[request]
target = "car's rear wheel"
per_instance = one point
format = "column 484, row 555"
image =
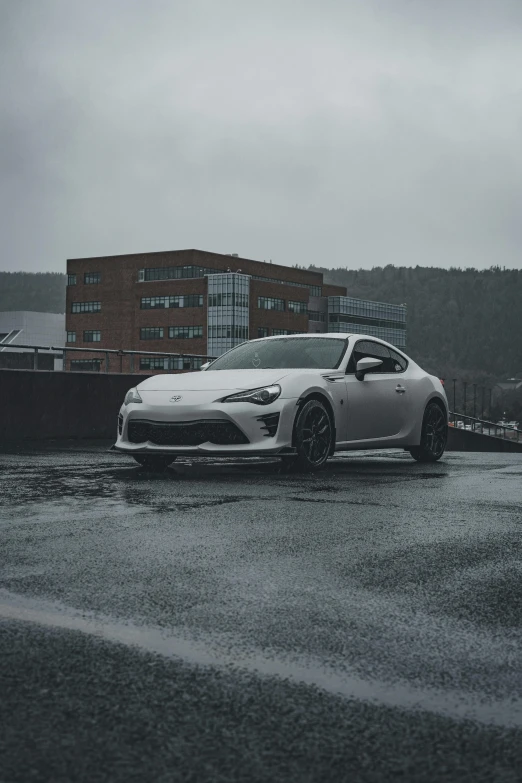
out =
column 434, row 435
column 313, row 434
column 156, row 462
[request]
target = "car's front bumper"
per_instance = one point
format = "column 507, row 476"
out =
column 244, row 415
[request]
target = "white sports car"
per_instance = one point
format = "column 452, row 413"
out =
column 300, row 397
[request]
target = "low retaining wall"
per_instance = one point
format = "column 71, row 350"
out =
column 40, row 405
column 465, row 440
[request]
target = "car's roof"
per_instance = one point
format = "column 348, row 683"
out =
column 341, row 335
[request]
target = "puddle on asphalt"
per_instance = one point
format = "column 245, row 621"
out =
column 229, row 653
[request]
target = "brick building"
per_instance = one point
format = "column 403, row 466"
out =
column 196, row 303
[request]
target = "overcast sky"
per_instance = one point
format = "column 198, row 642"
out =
column 336, row 132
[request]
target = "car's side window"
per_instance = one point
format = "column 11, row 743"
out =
column 376, row 351
column 399, row 362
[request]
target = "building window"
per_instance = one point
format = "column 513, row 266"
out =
column 174, row 273
column 151, row 333
column 228, row 299
column 85, row 307
column 160, row 302
column 154, row 363
column 71, row 279
column 227, row 330
column 185, row 332
column 71, row 337
column 269, row 303
column 315, row 290
column 297, row 307
column 262, row 331
column 86, row 365
column 279, row 332
column 315, row 315
column 91, row 336
column 90, row 278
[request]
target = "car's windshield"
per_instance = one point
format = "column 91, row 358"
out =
column 287, row 353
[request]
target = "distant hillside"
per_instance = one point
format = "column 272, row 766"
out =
column 42, row 292
column 461, row 323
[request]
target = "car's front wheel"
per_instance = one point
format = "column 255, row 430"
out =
column 313, row 435
column 434, row 435
column 156, row 462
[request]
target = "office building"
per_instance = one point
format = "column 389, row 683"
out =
column 201, row 304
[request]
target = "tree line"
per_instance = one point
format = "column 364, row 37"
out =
column 41, row 292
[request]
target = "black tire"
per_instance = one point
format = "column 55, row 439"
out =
column 155, row 462
column 434, row 435
column 313, row 435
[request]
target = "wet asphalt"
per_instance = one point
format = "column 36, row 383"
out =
column 230, row 621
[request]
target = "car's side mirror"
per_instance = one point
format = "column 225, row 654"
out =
column 204, row 366
column 364, row 365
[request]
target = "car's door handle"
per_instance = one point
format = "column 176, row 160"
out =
column 400, row 389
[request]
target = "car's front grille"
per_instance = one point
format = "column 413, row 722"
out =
column 186, row 433
column 269, row 423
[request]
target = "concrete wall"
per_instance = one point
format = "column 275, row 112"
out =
column 465, row 440
column 42, row 405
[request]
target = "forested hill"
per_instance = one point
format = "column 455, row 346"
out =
column 42, row 292
column 461, row 322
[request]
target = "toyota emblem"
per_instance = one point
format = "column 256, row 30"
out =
column 176, row 399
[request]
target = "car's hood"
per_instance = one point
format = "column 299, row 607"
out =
column 213, row 380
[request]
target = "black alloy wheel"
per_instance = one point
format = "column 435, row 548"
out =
column 313, row 434
column 434, row 435
column 155, row 462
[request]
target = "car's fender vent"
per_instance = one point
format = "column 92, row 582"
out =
column 269, row 423
column 120, row 424
column 186, row 433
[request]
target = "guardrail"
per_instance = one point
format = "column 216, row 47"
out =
column 194, row 359
column 491, row 428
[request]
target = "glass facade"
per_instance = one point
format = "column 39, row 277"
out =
column 359, row 316
column 228, row 311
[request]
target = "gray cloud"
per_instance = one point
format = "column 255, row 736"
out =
column 352, row 133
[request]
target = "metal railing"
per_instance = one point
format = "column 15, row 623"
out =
column 108, row 352
column 491, row 428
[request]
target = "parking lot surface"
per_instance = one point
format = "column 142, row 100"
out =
column 228, row 621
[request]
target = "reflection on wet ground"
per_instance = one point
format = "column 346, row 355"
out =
column 377, row 581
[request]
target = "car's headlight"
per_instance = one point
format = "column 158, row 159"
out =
column 263, row 396
column 132, row 396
